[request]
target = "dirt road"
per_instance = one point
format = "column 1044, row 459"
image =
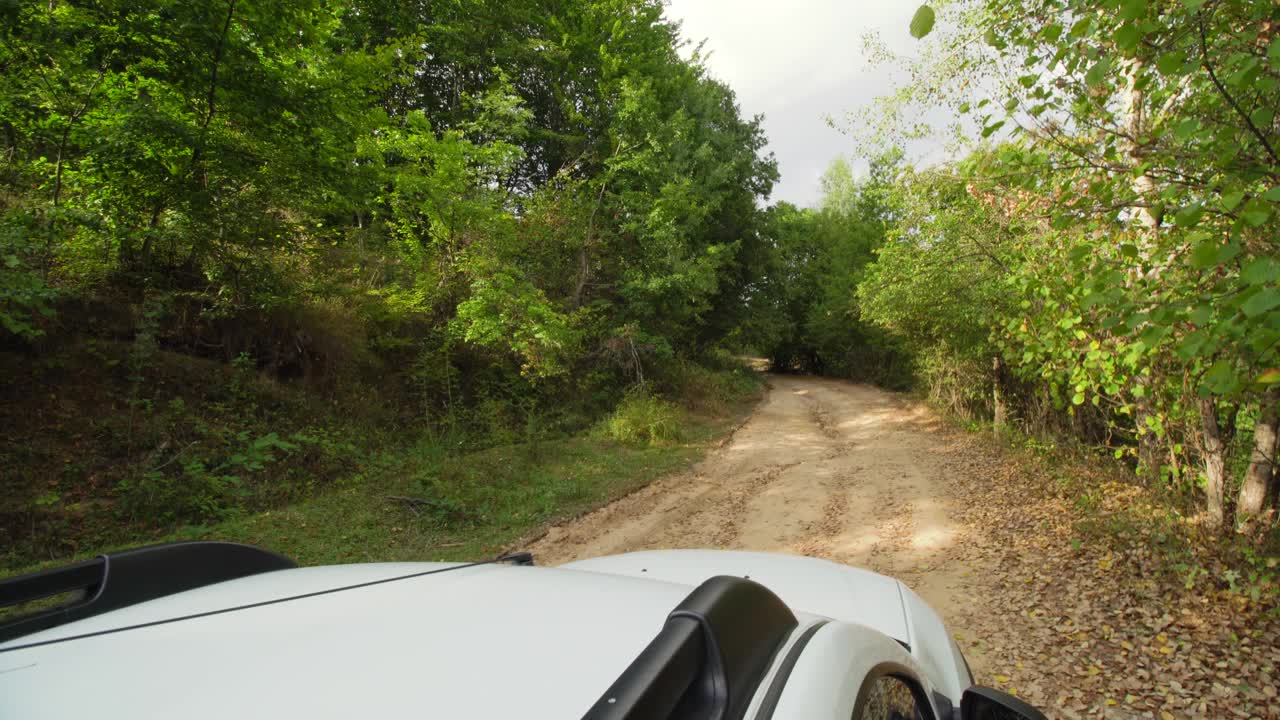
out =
column 1079, row 625
column 823, row 468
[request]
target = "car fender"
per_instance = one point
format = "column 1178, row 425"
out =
column 816, row 586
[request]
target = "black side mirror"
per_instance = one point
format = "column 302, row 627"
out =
column 980, row 703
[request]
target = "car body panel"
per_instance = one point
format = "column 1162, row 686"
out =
column 826, row 679
column 491, row 641
column 821, row 587
column 818, row 586
column 934, row 648
column 472, row 641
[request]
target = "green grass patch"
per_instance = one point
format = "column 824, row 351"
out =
column 644, row 419
column 427, row 500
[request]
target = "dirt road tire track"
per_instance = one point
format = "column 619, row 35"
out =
column 823, row 468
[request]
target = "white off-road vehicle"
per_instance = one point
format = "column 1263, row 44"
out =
column 218, row 630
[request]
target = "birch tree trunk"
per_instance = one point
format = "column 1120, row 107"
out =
column 998, row 413
column 1144, row 189
column 1253, row 494
column 1215, row 465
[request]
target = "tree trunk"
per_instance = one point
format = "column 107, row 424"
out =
column 1134, row 104
column 1253, row 494
column 1273, row 495
column 1215, row 465
column 997, row 394
column 1148, row 442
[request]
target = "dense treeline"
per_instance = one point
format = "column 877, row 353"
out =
column 542, row 194
column 805, row 311
column 250, row 249
column 470, row 210
column 1105, row 265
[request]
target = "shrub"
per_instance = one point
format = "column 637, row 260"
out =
column 709, row 389
column 642, row 418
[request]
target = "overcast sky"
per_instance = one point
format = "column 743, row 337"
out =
column 796, row 62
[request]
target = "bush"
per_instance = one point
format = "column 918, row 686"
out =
column 642, row 418
column 709, row 389
column 204, row 486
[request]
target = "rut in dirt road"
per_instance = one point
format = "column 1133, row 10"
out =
column 823, row 468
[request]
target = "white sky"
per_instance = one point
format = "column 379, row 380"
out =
column 796, row 62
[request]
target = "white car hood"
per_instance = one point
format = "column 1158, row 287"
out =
column 484, row 642
column 805, row 584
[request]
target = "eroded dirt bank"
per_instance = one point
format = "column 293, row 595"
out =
column 851, row 473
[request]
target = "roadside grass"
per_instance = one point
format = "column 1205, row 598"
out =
column 428, row 500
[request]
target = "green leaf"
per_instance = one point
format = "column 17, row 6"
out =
column 1201, row 314
column 1133, row 9
column 1204, row 250
column 1153, row 335
column 1256, row 212
column 1273, row 51
column 1098, row 72
column 1186, row 128
column 1261, row 302
column 1193, row 345
column 1170, row 63
column 1231, row 199
column 1052, row 32
column 1259, row 272
column 1128, row 36
column 1221, row 378
column 922, row 22
column 1188, row 217
column 1273, row 194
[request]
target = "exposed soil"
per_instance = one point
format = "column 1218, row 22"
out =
column 823, row 468
column 851, row 473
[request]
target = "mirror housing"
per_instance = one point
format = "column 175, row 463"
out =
column 982, row 703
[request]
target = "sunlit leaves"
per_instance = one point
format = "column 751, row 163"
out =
column 1098, row 73
column 922, row 22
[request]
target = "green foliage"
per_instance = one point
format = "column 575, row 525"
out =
column 1113, row 258
column 195, row 487
column 25, row 297
column 644, row 419
column 806, row 312
column 521, row 184
column 922, row 22
column 707, row 387
column 475, row 223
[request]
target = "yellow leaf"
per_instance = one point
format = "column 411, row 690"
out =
column 1002, row 678
column 1270, row 376
column 1111, row 701
column 1166, row 715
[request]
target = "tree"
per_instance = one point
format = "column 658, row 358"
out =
column 1150, row 164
